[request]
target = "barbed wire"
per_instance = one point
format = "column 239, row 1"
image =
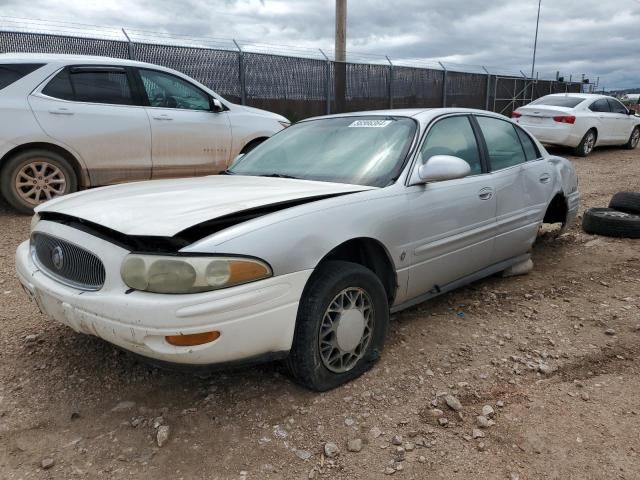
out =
column 137, row 35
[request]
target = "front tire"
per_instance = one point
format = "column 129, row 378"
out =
column 341, row 326
column 32, row 177
column 587, row 144
column 634, row 139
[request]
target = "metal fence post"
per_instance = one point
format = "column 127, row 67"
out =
column 487, row 95
column 390, row 82
column 129, row 45
column 327, row 83
column 444, row 84
column 243, row 90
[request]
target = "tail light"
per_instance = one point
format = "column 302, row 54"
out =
column 565, row 119
column 515, row 115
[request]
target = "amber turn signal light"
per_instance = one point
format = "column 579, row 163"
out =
column 193, row 339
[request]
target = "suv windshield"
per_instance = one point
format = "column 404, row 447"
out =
column 559, row 101
column 363, row 150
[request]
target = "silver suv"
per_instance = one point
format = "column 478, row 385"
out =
column 73, row 122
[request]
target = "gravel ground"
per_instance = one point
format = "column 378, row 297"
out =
column 520, row 378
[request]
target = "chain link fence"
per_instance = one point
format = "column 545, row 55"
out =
column 299, row 87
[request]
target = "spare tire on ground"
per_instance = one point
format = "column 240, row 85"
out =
column 628, row 202
column 611, row 223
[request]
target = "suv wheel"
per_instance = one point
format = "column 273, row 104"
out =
column 341, row 326
column 35, row 176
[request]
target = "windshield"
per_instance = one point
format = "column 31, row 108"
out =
column 560, row 101
column 355, row 150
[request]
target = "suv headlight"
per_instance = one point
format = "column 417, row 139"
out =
column 187, row 274
column 34, row 220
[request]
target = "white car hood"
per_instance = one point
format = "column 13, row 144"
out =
column 166, row 207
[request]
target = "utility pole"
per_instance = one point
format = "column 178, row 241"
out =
column 340, row 66
column 535, row 42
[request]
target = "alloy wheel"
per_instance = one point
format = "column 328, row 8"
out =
column 635, row 138
column 346, row 328
column 38, row 181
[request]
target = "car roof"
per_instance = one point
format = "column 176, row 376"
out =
column 63, row 59
column 423, row 115
column 579, row 95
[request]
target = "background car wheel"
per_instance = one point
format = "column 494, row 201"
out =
column 628, row 202
column 611, row 223
column 341, row 326
column 634, row 139
column 587, row 144
column 35, row 176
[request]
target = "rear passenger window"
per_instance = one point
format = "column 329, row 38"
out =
column 10, row 72
column 92, row 86
column 600, row 106
column 503, row 144
column 453, row 136
column 530, row 150
column 59, row 86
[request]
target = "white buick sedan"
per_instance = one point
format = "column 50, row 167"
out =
column 580, row 121
column 73, row 122
column 305, row 246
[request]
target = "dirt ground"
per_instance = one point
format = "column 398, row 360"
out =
column 554, row 353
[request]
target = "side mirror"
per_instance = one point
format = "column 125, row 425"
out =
column 216, row 105
column 443, row 167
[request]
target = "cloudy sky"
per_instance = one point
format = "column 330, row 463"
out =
column 595, row 37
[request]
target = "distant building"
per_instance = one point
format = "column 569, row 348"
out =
column 631, row 97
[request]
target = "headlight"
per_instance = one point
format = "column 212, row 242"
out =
column 34, row 220
column 185, row 274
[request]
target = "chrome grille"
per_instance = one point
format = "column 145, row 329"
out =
column 67, row 263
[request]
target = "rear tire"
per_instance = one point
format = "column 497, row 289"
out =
column 628, row 202
column 611, row 223
column 634, row 139
column 587, row 144
column 32, row 177
column 341, row 326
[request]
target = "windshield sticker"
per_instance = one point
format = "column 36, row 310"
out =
column 370, row 123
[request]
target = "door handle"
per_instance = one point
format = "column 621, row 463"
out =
column 61, row 111
column 545, row 178
column 162, row 117
column 486, row 193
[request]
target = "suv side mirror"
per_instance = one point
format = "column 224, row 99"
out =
column 216, row 105
column 443, row 167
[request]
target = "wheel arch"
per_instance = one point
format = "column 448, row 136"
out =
column 252, row 143
column 79, row 170
column 557, row 210
column 371, row 254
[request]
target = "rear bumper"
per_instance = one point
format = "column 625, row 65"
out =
column 573, row 205
column 559, row 134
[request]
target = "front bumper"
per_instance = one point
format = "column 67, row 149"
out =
column 254, row 320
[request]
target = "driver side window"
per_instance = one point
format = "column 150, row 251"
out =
column 453, row 136
column 168, row 91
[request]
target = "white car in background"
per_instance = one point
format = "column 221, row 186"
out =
column 580, row 121
column 73, row 122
